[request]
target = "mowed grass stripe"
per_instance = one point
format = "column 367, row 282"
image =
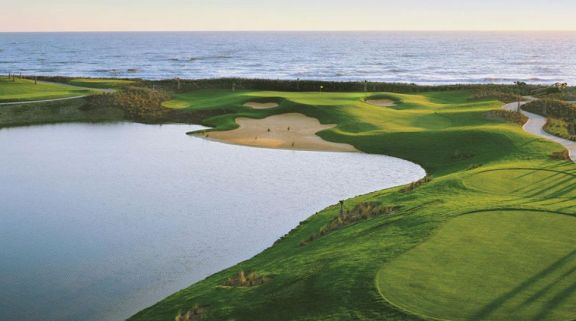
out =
column 501, row 265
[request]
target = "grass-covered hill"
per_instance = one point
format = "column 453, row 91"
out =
column 488, row 237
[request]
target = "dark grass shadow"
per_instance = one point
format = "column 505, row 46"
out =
column 483, row 313
column 555, row 301
column 535, row 189
column 548, row 287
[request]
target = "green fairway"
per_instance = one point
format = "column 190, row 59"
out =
column 512, row 265
column 430, row 261
column 27, row 90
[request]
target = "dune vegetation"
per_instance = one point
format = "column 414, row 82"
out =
column 488, row 235
column 101, row 83
column 561, row 116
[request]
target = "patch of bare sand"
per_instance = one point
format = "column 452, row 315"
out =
column 256, row 105
column 381, row 102
column 286, row 131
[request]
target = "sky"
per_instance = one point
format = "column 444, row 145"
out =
column 238, row 15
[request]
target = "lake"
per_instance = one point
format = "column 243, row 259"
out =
column 418, row 57
column 100, row 221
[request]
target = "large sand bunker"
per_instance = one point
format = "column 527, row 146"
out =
column 381, row 102
column 257, row 105
column 286, row 131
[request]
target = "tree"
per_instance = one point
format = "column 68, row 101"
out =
column 520, row 85
column 561, row 86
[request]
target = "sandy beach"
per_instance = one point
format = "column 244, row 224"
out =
column 286, row 131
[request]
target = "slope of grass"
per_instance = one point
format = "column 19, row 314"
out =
column 27, row 90
column 477, row 164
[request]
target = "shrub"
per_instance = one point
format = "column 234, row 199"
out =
column 197, row 313
column 561, row 128
column 142, row 104
column 551, row 107
column 362, row 211
column 563, row 155
column 506, row 115
column 243, row 279
column 489, row 93
column 413, row 186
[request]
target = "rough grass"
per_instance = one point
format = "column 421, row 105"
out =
column 333, row 278
column 27, row 90
column 56, row 112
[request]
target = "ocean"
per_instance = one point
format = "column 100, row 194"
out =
column 413, row 57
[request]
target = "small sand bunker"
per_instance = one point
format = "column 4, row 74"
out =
column 257, row 105
column 381, row 102
column 286, row 131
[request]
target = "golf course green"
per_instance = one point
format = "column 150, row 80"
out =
column 513, row 264
column 489, row 235
column 21, row 90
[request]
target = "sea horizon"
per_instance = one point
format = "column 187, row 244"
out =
column 421, row 57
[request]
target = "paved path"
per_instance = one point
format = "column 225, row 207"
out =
column 535, row 125
column 41, row 101
column 104, row 90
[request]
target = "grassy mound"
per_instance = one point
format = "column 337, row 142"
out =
column 501, row 265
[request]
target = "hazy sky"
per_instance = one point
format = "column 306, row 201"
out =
column 127, row 15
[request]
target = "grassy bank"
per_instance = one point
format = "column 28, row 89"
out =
column 56, row 112
column 487, row 236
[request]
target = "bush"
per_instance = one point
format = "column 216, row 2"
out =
column 244, row 279
column 507, row 115
column 416, row 184
column 362, row 211
column 553, row 108
column 488, row 93
column 141, row 104
column 197, row 313
column 563, row 155
column 561, row 128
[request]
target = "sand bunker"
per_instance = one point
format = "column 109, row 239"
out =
column 381, row 102
column 286, row 131
column 257, row 105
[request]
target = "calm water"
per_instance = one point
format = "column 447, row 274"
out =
column 100, row 221
column 377, row 56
